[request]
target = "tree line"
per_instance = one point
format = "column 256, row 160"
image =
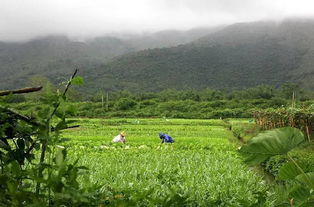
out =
column 172, row 103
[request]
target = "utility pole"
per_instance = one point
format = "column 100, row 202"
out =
column 293, row 99
column 107, row 101
column 102, row 100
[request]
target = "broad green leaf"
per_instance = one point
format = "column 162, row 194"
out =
column 78, row 80
column 288, row 171
column 308, row 204
column 308, row 178
column 300, row 196
column 15, row 167
column 270, row 143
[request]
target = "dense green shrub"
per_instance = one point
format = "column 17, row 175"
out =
column 34, row 167
column 276, row 150
column 125, row 104
column 180, row 103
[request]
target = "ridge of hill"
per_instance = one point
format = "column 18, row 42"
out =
column 56, row 56
column 237, row 56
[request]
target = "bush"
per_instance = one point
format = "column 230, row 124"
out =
column 125, row 104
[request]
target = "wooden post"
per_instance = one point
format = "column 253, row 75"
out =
column 22, row 90
column 293, row 99
column 308, row 133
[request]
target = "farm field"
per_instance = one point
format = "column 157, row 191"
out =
column 202, row 167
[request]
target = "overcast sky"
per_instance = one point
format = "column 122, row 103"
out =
column 25, row 19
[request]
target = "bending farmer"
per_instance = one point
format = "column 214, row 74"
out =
column 120, row 138
column 165, row 138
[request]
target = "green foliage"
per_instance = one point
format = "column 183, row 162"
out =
column 230, row 58
column 288, row 171
column 179, row 104
column 34, row 168
column 247, row 61
column 276, row 164
column 287, row 90
column 273, row 165
column 243, row 129
column 125, row 104
column 299, row 117
column 271, row 143
column 281, row 142
column 43, row 81
column 16, row 99
column 194, row 171
column 78, row 80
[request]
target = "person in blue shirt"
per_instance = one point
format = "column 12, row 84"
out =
column 165, row 138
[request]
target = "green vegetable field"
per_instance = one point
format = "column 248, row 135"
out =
column 202, row 167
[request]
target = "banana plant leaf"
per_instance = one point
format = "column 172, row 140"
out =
column 270, row 143
column 289, row 171
column 306, row 178
column 301, row 196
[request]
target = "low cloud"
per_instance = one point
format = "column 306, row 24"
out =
column 26, row 19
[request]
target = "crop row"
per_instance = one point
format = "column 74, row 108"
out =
column 201, row 168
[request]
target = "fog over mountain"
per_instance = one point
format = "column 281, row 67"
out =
column 83, row 19
column 147, row 43
column 57, row 56
column 236, row 56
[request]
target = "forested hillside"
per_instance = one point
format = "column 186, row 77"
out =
column 238, row 56
column 57, row 56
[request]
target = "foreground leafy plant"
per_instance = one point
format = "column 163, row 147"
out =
column 34, row 169
column 279, row 142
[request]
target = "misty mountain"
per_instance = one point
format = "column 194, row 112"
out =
column 169, row 38
column 237, row 56
column 56, row 56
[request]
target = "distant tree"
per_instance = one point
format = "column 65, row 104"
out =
column 74, row 95
column 218, row 95
column 190, row 95
column 169, row 94
column 125, row 104
column 145, row 96
column 207, row 94
column 122, row 94
column 39, row 81
column 262, row 91
column 288, row 90
column 277, row 102
column 98, row 96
